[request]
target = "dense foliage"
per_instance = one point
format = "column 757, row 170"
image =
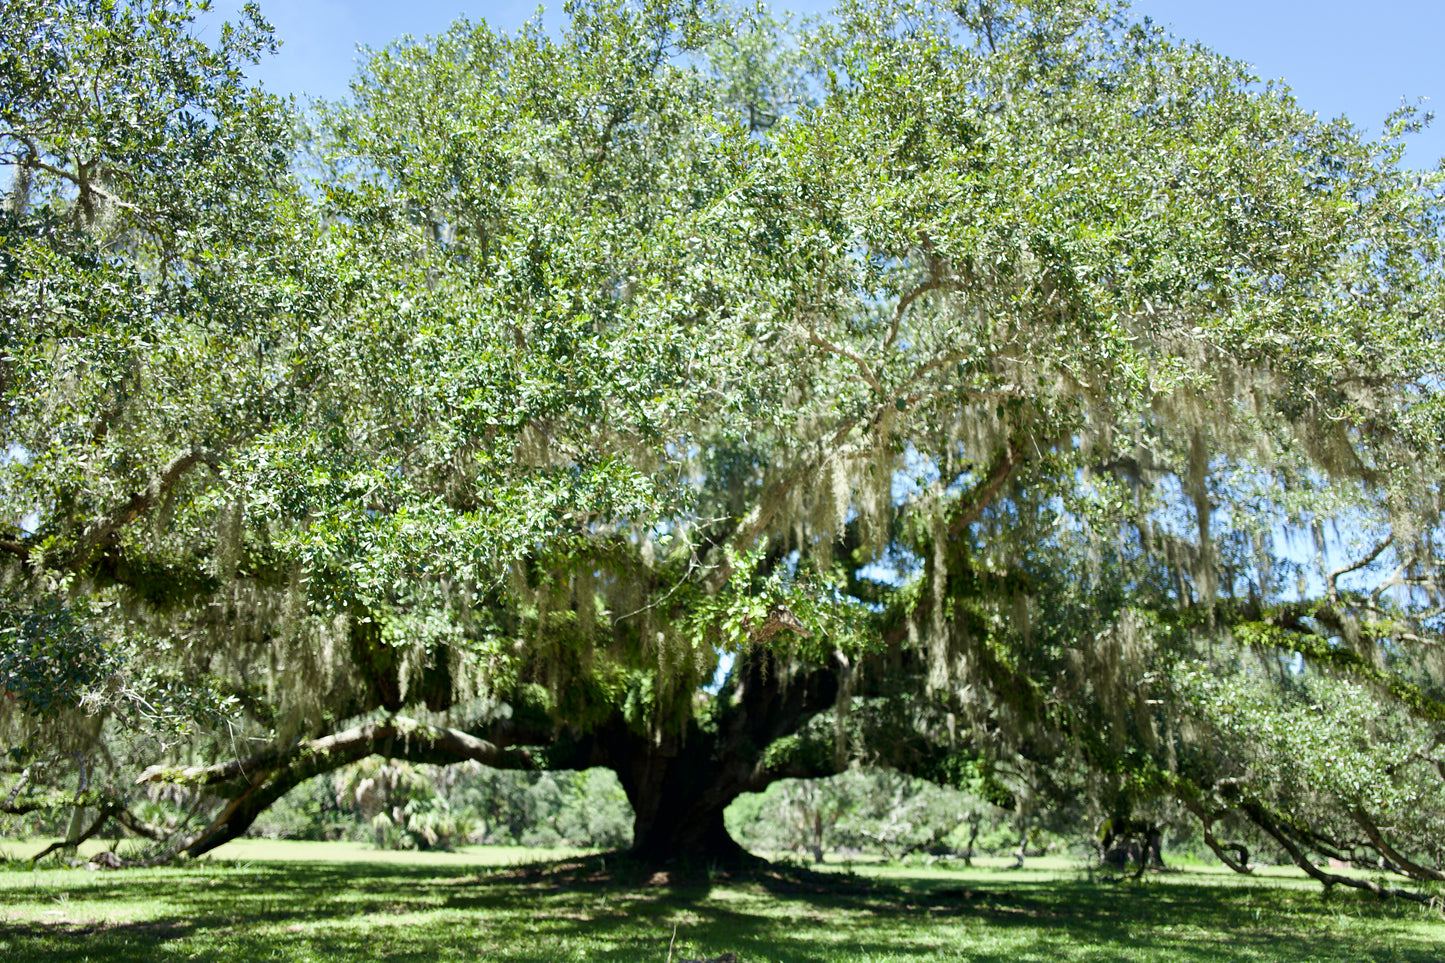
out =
column 965, row 388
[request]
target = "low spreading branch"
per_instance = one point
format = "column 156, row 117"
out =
column 254, row 784
column 1403, row 863
column 1281, row 834
column 399, row 738
column 102, row 817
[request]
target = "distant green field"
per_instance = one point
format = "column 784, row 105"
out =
column 271, row 850
column 288, row 901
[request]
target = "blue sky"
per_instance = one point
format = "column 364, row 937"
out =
column 1356, row 59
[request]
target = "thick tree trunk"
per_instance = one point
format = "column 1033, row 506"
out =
column 680, row 785
column 679, row 790
column 697, row 838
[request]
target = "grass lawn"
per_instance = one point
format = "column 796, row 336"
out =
column 272, row 901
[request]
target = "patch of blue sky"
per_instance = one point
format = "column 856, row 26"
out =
column 919, row 472
column 724, row 669
column 896, row 567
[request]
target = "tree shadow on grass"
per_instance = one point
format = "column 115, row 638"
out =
column 617, row 912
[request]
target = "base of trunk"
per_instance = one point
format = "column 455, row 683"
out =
column 692, row 845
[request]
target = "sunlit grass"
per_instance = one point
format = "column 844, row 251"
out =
column 337, row 902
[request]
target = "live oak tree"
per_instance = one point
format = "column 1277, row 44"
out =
column 947, row 380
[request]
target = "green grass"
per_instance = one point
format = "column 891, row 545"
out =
column 333, row 902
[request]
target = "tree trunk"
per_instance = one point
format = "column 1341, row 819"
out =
column 679, row 790
column 1025, row 828
column 1021, row 853
column 696, row 838
column 1154, row 847
column 680, row 784
column 975, row 819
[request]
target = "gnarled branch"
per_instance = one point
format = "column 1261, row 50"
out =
column 987, row 489
column 139, row 502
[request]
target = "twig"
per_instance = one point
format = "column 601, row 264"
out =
column 863, row 368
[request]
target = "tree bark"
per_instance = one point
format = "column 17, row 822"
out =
column 679, row 790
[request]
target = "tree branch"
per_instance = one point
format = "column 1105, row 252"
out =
column 932, row 284
column 261, row 780
column 1377, row 839
column 139, row 503
column 863, row 367
column 106, row 811
column 399, row 738
column 81, row 181
column 987, row 489
column 1286, row 630
column 18, row 549
column 1281, row 834
column 1332, row 577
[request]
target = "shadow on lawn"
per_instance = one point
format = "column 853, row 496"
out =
column 371, row 911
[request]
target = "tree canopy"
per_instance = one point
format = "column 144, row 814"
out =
column 940, row 386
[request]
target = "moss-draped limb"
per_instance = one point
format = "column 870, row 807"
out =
column 1281, row 831
column 1288, row 632
column 254, row 784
